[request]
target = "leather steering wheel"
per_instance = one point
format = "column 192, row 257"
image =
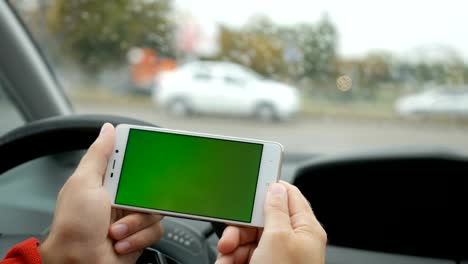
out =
column 61, row 134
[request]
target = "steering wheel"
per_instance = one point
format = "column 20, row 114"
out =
column 77, row 132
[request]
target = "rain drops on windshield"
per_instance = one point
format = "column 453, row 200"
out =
column 316, row 76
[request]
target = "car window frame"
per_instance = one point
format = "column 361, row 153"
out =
column 48, row 97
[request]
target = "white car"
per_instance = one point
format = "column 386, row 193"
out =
column 224, row 88
column 433, row 102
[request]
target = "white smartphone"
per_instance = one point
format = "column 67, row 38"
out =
column 192, row 175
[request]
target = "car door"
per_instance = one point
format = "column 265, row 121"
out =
column 235, row 94
column 447, row 102
column 220, row 93
column 236, row 90
column 201, row 91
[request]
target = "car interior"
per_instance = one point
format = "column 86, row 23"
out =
column 388, row 205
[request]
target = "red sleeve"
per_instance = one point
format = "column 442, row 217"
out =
column 25, row 252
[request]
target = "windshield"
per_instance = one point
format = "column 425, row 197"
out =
column 317, row 76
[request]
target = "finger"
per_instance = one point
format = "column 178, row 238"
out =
column 94, row 163
column 132, row 223
column 276, row 209
column 302, row 216
column 140, row 240
column 297, row 202
column 230, row 240
column 234, row 236
column 240, row 256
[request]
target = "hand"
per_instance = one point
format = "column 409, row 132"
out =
column 85, row 228
column 292, row 234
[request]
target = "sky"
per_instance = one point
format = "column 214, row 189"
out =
column 402, row 27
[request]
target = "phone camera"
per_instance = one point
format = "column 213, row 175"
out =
column 112, row 174
column 116, row 151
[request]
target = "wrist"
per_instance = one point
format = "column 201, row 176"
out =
column 55, row 253
column 47, row 255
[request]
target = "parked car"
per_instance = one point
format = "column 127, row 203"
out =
column 224, row 88
column 434, row 102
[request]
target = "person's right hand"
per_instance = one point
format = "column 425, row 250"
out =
column 292, row 234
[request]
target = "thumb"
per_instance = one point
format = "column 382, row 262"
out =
column 94, row 163
column 276, row 209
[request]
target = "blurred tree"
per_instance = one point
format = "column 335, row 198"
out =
column 318, row 47
column 425, row 72
column 99, row 33
column 376, row 68
column 371, row 73
column 254, row 49
column 291, row 52
column 465, row 74
column 262, row 25
column 440, row 65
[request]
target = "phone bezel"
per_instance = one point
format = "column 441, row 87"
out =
column 270, row 172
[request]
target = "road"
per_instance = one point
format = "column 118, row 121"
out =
column 320, row 134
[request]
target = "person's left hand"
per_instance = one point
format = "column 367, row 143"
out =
column 85, row 228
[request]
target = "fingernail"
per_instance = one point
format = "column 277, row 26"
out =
column 277, row 189
column 104, row 129
column 119, row 230
column 122, row 246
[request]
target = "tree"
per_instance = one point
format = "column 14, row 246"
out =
column 318, row 47
column 441, row 65
column 99, row 33
column 306, row 51
column 253, row 49
column 377, row 67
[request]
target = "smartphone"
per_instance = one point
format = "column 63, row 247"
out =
column 192, row 175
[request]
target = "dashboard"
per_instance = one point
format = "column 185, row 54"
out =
column 396, row 206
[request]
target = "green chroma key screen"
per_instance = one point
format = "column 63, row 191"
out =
column 190, row 174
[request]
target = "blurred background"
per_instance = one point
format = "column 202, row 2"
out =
column 317, row 76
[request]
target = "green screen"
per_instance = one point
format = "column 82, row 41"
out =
column 190, row 174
